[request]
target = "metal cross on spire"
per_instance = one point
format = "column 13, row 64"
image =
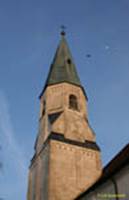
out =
column 63, row 28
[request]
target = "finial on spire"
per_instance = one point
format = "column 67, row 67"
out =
column 63, row 28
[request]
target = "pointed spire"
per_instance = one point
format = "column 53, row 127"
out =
column 62, row 68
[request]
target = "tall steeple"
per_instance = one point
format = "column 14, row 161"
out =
column 62, row 68
column 67, row 158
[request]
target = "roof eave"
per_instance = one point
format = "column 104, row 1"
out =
column 64, row 82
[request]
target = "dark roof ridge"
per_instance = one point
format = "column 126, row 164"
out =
column 118, row 162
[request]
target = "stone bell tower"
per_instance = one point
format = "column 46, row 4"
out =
column 67, row 159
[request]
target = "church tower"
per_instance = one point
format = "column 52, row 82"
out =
column 67, row 159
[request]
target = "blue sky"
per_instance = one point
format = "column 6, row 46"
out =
column 28, row 40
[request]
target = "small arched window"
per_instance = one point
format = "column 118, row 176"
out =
column 73, row 104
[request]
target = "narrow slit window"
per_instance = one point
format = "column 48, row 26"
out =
column 44, row 108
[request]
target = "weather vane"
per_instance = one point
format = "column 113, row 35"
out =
column 63, row 28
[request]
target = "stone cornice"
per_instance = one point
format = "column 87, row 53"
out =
column 60, row 137
column 87, row 144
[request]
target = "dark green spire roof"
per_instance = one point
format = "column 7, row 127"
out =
column 62, row 68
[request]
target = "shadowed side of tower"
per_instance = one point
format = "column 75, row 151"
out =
column 67, row 159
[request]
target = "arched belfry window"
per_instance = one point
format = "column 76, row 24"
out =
column 69, row 61
column 73, row 103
